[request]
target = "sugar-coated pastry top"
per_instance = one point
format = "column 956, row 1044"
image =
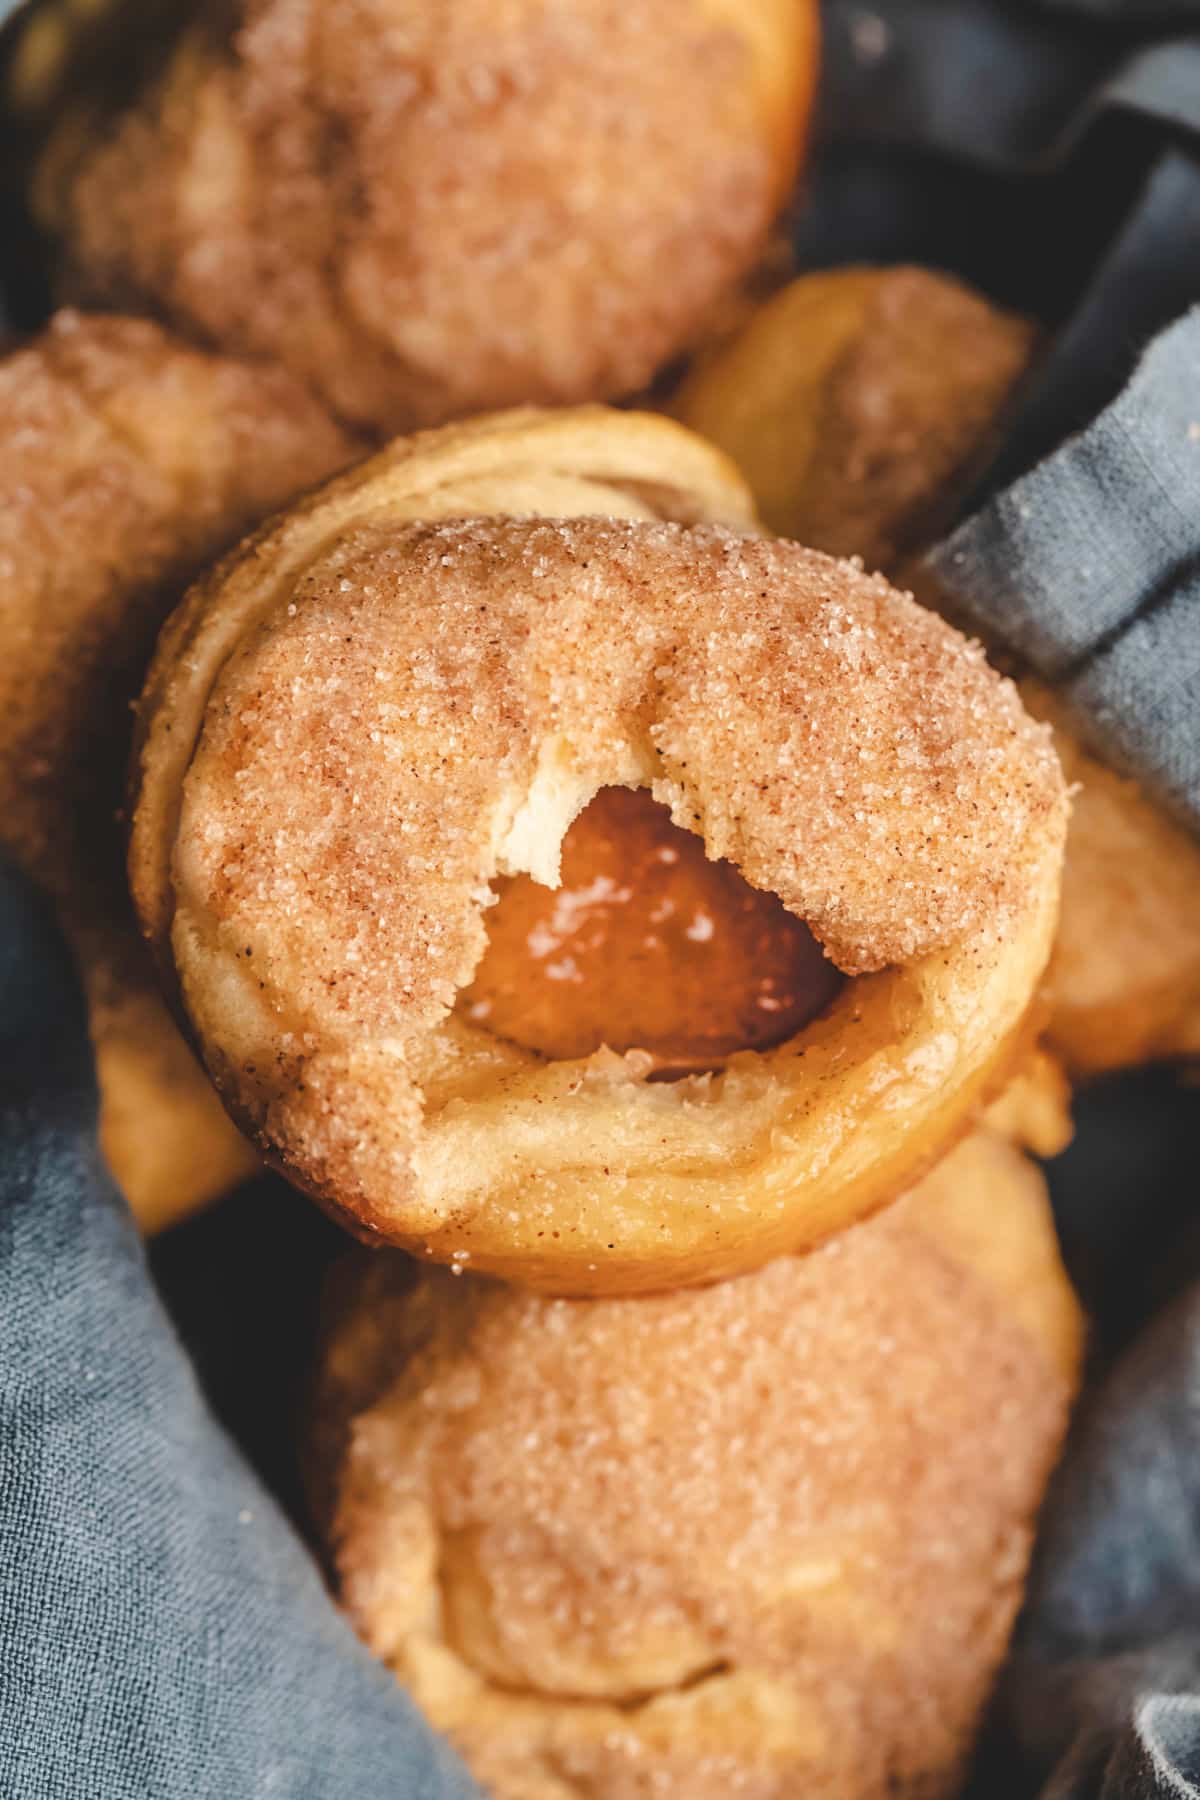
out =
column 408, row 687
column 764, row 1537
column 126, row 460
column 426, row 210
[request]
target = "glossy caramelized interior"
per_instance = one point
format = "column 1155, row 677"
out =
column 646, row 945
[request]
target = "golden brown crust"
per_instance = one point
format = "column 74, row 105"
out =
column 767, row 1537
column 856, row 400
column 428, row 210
column 1123, row 986
column 357, row 723
column 127, row 461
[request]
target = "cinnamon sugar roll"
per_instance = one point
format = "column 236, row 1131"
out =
column 360, row 723
column 427, row 210
column 857, row 400
column 765, row 1538
column 126, row 461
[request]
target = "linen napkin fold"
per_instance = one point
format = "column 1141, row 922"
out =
column 1088, row 568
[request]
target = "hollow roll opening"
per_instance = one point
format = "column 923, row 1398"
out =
column 647, row 945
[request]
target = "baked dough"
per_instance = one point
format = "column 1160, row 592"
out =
column 1123, row 986
column 427, row 210
column 127, row 461
column 766, row 1538
column 357, row 723
column 856, row 402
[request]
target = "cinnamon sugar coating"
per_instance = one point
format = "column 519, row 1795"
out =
column 847, row 750
column 764, row 1538
column 355, row 726
column 126, row 461
column 425, row 210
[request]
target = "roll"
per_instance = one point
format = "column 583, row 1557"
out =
column 423, row 211
column 764, row 1538
column 128, row 460
column 359, row 723
column 858, row 401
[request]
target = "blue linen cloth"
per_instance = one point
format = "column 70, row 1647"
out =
column 164, row 1635
column 163, row 1631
